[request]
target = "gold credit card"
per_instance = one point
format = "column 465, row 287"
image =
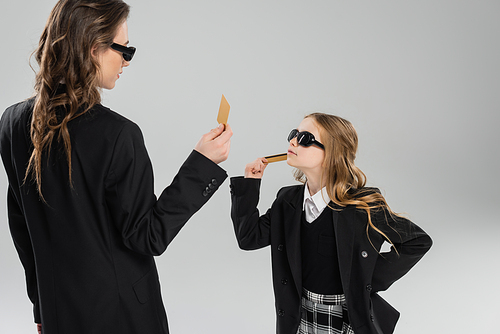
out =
column 276, row 157
column 223, row 111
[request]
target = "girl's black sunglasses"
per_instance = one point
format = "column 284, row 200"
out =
column 127, row 52
column 304, row 138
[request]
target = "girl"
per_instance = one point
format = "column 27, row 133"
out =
column 326, row 235
column 81, row 204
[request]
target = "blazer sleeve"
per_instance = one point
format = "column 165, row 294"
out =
column 15, row 213
column 22, row 242
column 147, row 225
column 410, row 243
column 252, row 230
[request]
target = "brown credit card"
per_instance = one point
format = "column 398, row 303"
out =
column 276, row 157
column 223, row 111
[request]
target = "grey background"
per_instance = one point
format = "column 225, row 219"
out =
column 418, row 79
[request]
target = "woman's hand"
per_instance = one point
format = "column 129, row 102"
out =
column 255, row 169
column 39, row 328
column 215, row 144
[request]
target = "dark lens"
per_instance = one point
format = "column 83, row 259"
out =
column 132, row 53
column 292, row 134
column 129, row 54
column 304, row 139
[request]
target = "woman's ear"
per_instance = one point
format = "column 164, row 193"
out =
column 94, row 51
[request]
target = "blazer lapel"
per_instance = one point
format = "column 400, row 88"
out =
column 344, row 234
column 292, row 220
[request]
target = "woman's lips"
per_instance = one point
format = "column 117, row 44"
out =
column 291, row 152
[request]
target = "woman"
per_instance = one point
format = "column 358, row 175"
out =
column 326, row 235
column 81, row 204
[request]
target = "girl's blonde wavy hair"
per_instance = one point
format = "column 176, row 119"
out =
column 345, row 182
column 64, row 55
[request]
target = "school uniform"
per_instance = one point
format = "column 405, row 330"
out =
column 363, row 270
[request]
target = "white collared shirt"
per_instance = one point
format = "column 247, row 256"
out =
column 314, row 205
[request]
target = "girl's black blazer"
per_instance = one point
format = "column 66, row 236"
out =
column 88, row 253
column 364, row 271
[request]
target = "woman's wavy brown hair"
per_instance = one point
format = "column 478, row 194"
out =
column 64, row 56
column 345, row 182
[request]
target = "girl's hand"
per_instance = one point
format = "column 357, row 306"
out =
column 255, row 169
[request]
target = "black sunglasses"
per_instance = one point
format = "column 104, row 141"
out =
column 127, row 51
column 304, row 138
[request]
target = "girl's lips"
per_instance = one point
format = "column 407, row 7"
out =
column 291, row 152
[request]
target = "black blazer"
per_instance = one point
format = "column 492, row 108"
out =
column 363, row 270
column 88, row 253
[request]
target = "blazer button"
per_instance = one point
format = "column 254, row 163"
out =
column 214, row 182
column 372, row 318
column 211, row 186
column 284, row 281
column 280, row 248
column 281, row 313
column 368, row 288
column 364, row 254
column 205, row 193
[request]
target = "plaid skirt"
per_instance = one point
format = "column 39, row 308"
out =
column 324, row 314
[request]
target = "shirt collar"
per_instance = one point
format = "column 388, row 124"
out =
column 319, row 199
